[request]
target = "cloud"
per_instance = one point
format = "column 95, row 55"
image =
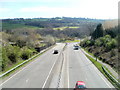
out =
column 90, row 11
column 2, row 10
column 43, row 9
column 15, row 0
column 34, row 0
column 77, row 8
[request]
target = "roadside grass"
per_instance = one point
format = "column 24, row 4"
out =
column 23, row 65
column 88, row 52
column 21, row 61
column 99, row 66
column 94, row 56
column 19, row 67
column 110, row 73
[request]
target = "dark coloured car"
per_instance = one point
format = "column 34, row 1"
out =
column 55, row 52
column 76, row 47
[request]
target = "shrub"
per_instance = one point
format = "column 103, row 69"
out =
column 105, row 39
column 96, row 54
column 26, row 53
column 102, row 40
column 12, row 57
column 92, row 42
column 5, row 59
column 111, row 44
column 112, row 53
column 100, row 57
column 108, row 46
column 98, row 42
column 21, row 43
column 12, row 53
column 88, row 43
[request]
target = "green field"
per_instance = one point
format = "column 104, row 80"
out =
column 70, row 41
column 62, row 28
column 8, row 26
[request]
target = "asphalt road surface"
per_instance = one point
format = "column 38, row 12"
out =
column 60, row 70
column 82, row 69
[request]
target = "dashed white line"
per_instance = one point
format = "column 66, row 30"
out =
column 49, row 74
column 16, row 73
column 27, row 80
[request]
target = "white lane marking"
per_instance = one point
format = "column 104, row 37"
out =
column 16, row 74
column 102, row 78
column 68, row 69
column 48, row 74
column 68, row 72
column 27, row 80
column 19, row 71
column 98, row 73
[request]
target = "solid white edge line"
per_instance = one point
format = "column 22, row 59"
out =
column 68, row 70
column 102, row 78
column 99, row 74
column 48, row 75
column 16, row 73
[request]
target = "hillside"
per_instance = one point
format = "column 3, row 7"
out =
column 52, row 22
column 71, row 27
column 104, row 45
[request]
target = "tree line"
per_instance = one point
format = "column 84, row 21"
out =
column 21, row 44
column 104, row 44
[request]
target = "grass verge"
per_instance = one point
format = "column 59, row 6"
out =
column 99, row 66
column 22, row 64
column 99, row 60
column 88, row 52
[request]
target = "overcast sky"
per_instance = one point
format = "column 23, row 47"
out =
column 99, row 9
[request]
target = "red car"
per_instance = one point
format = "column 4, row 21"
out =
column 80, row 85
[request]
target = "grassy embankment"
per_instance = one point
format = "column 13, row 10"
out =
column 18, row 63
column 99, row 66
